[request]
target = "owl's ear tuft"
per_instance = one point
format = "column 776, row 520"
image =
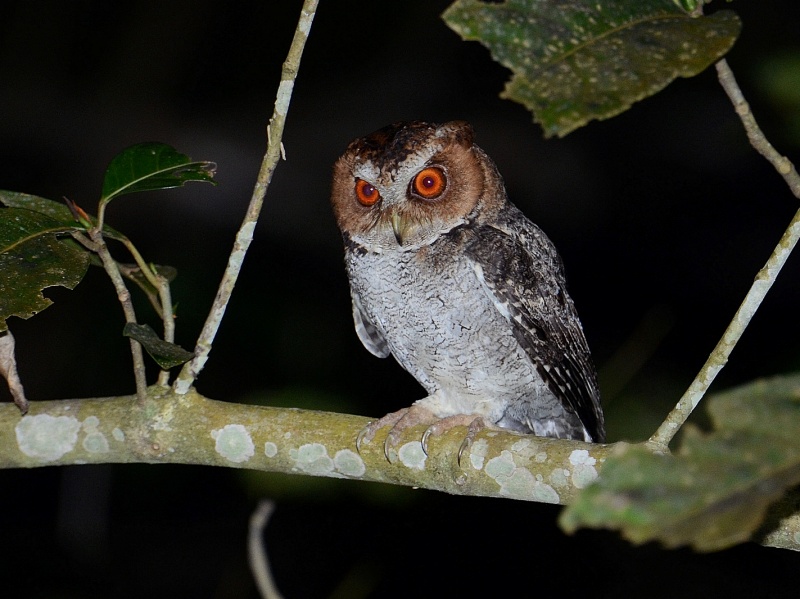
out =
column 459, row 132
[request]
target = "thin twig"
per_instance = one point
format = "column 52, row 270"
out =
column 165, row 293
column 164, row 305
column 259, row 563
column 124, row 296
column 129, row 271
column 757, row 138
column 161, row 285
column 245, row 234
column 8, row 370
column 146, row 271
column 764, row 280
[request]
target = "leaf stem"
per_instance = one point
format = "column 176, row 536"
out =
column 245, row 234
column 763, row 281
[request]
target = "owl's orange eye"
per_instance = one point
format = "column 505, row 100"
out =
column 367, row 193
column 429, row 183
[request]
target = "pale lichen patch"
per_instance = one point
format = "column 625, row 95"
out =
column 234, row 443
column 95, row 442
column 312, row 458
column 477, row 453
column 502, row 465
column 583, row 470
column 518, row 482
column 270, row 449
column 521, row 445
column 118, row 434
column 349, row 463
column 164, row 418
column 47, row 437
column 559, row 477
column 412, row 455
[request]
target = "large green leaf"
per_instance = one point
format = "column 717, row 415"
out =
column 149, row 166
column 715, row 491
column 32, row 258
column 591, row 59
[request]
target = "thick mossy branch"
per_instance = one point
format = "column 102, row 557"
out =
column 191, row 429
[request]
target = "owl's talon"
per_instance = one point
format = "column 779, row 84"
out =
column 465, row 444
column 368, row 432
column 363, row 437
column 424, row 440
column 473, row 429
column 389, row 450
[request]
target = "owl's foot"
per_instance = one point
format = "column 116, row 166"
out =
column 398, row 422
column 476, row 426
column 473, row 423
column 415, row 415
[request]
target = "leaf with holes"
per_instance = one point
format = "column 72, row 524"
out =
column 715, row 492
column 32, row 258
column 149, row 166
column 591, row 59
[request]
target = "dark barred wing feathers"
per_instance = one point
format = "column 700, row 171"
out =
column 524, row 274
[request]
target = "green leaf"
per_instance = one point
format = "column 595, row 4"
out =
column 167, row 355
column 716, row 490
column 589, row 59
column 58, row 211
column 149, row 166
column 32, row 258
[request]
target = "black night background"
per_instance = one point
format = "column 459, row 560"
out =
column 663, row 216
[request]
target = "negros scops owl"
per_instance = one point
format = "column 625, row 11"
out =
column 467, row 294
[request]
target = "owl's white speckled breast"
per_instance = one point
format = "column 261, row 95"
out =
column 443, row 328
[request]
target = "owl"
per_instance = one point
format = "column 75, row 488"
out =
column 467, row 294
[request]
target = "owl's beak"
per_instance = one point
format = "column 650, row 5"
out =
column 400, row 226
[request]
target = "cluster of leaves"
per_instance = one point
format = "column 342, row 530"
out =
column 44, row 243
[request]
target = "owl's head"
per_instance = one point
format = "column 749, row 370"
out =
column 403, row 186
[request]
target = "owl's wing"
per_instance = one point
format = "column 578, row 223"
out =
column 370, row 336
column 522, row 273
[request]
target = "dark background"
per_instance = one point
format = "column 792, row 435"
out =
column 663, row 216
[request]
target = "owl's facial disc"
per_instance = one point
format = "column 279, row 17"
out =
column 406, row 185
